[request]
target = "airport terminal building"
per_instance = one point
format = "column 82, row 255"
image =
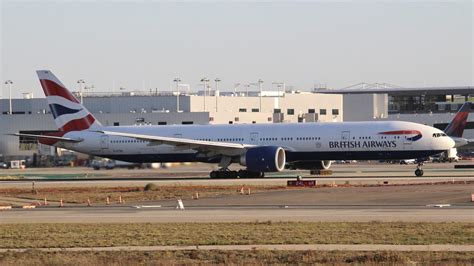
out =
column 432, row 106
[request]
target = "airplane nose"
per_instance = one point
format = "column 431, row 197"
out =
column 450, row 143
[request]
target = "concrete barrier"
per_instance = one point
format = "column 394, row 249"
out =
column 5, row 207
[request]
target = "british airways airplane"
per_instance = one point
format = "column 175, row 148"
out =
column 259, row 147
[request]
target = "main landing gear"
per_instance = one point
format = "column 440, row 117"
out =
column 226, row 173
column 419, row 171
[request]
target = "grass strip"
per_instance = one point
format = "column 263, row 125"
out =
column 147, row 234
column 260, row 257
column 130, row 194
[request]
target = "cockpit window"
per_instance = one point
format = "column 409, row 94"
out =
column 437, row 135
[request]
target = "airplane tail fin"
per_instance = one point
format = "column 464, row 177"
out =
column 69, row 114
column 459, row 122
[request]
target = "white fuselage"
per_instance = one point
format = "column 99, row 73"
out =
column 302, row 141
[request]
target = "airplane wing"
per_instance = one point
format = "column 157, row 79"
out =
column 46, row 137
column 182, row 142
column 460, row 142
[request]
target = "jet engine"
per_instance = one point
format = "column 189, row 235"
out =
column 264, row 159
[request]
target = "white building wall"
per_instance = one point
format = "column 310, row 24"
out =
column 365, row 107
column 230, row 107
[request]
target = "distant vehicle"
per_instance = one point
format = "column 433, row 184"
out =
column 18, row 164
column 449, row 156
column 3, row 165
column 112, row 164
column 261, row 148
column 409, row 161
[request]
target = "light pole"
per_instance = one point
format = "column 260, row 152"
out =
column 279, row 85
column 217, row 80
column 236, row 85
column 177, row 80
column 260, row 85
column 205, row 81
column 81, row 83
column 9, row 83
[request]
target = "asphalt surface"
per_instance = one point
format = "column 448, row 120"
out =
column 242, row 214
column 430, row 202
column 414, row 203
column 198, row 175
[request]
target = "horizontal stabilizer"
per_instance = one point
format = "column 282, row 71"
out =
column 46, row 137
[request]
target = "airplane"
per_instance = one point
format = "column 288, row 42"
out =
column 261, row 148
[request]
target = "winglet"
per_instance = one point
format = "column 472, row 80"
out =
column 459, row 122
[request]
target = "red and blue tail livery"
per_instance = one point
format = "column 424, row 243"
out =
column 69, row 114
column 459, row 122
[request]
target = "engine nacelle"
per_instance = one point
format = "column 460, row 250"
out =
column 264, row 159
column 312, row 165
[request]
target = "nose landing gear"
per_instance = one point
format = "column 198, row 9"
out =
column 419, row 172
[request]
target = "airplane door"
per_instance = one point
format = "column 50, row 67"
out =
column 345, row 135
column 407, row 144
column 104, row 142
column 254, row 138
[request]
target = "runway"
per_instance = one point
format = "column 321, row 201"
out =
column 397, row 196
column 416, row 203
column 242, row 214
column 361, row 173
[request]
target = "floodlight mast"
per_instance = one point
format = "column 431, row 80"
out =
column 205, row 81
column 10, row 108
column 177, row 80
column 217, row 80
column 81, row 83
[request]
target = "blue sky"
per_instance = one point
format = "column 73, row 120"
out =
column 145, row 44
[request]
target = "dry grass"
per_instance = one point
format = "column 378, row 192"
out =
column 235, row 257
column 130, row 194
column 8, row 177
column 104, row 235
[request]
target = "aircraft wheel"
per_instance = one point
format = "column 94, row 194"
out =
column 419, row 172
column 243, row 174
column 213, row 174
column 233, row 174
